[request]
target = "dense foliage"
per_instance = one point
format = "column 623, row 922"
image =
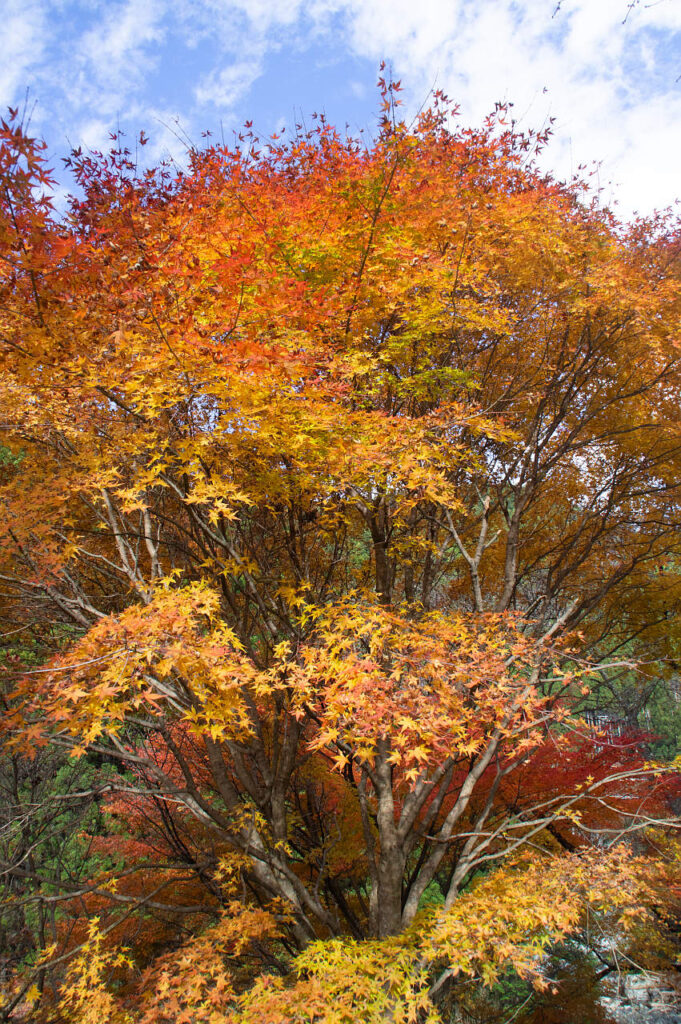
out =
column 339, row 482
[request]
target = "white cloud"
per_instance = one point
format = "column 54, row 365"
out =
column 236, row 24
column 119, row 51
column 224, row 88
column 583, row 66
column 94, row 134
column 23, row 40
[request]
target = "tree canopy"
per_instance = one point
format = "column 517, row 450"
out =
column 344, row 478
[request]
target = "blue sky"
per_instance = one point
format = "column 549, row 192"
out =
column 609, row 71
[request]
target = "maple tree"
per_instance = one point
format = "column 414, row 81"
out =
column 354, row 470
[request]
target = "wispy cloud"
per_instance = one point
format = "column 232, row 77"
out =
column 23, row 43
column 120, row 50
column 223, row 88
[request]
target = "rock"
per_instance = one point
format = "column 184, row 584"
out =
column 645, row 999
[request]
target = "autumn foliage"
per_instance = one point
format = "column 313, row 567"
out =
column 350, row 475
